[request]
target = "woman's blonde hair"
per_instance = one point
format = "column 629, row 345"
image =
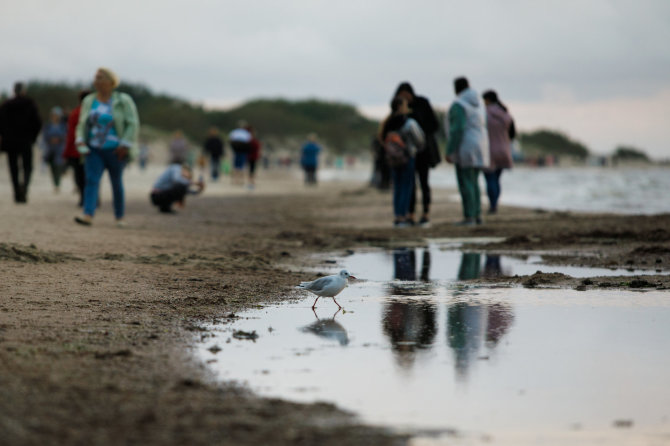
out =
column 111, row 75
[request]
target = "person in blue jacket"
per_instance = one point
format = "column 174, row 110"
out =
column 310, row 159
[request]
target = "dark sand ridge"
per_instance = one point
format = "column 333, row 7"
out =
column 96, row 323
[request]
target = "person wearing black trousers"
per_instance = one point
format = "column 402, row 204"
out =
column 20, row 124
column 423, row 114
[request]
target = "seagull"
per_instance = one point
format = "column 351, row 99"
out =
column 329, row 286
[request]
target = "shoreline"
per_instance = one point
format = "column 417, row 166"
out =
column 95, row 322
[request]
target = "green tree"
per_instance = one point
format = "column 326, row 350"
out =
column 551, row 142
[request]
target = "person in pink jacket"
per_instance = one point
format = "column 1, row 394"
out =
column 500, row 126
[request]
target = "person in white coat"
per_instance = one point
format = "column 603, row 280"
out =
column 468, row 147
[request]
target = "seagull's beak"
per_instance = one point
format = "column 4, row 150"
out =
column 351, row 277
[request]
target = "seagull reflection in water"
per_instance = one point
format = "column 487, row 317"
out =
column 328, row 329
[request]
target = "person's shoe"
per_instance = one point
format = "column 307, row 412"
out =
column 410, row 222
column 492, row 211
column 479, row 221
column 401, row 224
column 424, row 222
column 466, row 222
column 167, row 211
column 84, row 221
column 121, row 224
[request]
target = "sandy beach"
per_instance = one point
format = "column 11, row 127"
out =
column 96, row 324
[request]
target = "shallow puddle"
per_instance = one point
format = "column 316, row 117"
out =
column 416, row 351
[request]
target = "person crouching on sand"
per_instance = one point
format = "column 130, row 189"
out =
column 106, row 132
column 172, row 187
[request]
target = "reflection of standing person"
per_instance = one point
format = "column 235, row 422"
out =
column 466, row 323
column 53, row 140
column 468, row 147
column 501, row 131
column 410, row 326
column 71, row 154
column 106, row 134
column 400, row 123
column 470, row 266
column 425, row 266
column 469, row 324
column 309, row 159
column 213, row 147
column 252, row 156
column 422, row 112
column 404, row 264
column 492, row 266
column 20, row 124
column 239, row 141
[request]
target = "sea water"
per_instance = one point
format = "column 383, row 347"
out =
column 584, row 189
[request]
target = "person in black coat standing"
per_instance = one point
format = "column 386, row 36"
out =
column 20, row 124
column 214, row 147
column 423, row 113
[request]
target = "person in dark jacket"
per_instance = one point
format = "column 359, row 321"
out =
column 422, row 113
column 309, row 159
column 20, row 124
column 214, row 147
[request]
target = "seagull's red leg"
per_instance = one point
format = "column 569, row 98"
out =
column 314, row 306
column 338, row 305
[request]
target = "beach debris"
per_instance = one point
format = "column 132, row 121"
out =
column 240, row 334
column 109, row 355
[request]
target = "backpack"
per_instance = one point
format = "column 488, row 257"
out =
column 395, row 148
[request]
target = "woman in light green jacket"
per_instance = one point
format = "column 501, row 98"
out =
column 106, row 135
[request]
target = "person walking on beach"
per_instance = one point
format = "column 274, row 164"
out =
column 71, row 155
column 106, row 133
column 403, row 138
column 501, row 131
column 53, row 143
column 422, row 112
column 214, row 148
column 467, row 147
column 172, row 187
column 309, row 159
column 20, row 124
column 240, row 140
column 179, row 149
column 252, row 156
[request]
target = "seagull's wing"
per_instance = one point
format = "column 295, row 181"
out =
column 319, row 284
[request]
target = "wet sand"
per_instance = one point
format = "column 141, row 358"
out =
column 96, row 324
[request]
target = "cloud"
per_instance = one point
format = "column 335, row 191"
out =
column 356, row 51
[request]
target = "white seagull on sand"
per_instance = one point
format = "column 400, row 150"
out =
column 329, row 286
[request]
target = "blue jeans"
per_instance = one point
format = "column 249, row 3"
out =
column 96, row 162
column 403, row 188
column 493, row 187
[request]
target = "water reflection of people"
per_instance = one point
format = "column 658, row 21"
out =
column 492, row 266
column 328, row 329
column 410, row 326
column 470, row 324
column 404, row 264
column 470, row 266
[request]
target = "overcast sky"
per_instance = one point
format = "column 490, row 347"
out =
column 596, row 69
